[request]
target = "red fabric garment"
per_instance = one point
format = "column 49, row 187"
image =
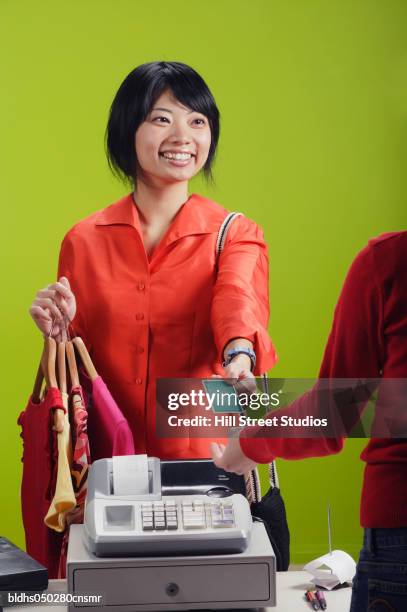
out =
column 108, row 430
column 168, row 316
column 42, row 543
column 368, row 340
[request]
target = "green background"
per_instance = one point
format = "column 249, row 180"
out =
column 313, row 147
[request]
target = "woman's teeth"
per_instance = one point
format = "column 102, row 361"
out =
column 178, row 156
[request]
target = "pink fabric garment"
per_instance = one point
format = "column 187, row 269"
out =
column 42, row 543
column 99, row 430
column 108, row 430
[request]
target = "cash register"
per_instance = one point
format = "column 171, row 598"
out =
column 174, row 535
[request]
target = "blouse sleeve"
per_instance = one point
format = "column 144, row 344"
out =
column 352, row 351
column 240, row 305
column 69, row 265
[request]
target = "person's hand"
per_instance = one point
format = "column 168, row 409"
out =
column 51, row 305
column 231, row 457
column 238, row 373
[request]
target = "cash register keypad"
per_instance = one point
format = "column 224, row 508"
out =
column 191, row 514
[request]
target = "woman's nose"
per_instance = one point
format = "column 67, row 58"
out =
column 179, row 134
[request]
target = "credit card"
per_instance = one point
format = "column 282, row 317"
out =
column 225, row 397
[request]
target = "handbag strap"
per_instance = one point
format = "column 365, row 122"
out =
column 272, row 471
column 253, row 486
column 222, row 234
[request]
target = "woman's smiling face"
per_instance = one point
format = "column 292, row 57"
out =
column 173, row 143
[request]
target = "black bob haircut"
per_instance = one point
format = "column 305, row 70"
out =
column 136, row 97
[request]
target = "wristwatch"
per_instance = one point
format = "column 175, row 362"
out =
column 240, row 350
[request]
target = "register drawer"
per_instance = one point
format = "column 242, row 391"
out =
column 133, row 586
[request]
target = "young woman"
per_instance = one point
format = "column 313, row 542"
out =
column 138, row 279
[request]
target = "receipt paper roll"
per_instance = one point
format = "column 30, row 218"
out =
column 130, row 475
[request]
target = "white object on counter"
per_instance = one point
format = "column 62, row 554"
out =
column 331, row 569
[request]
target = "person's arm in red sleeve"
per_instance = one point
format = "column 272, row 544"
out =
column 352, row 351
column 354, row 348
column 240, row 305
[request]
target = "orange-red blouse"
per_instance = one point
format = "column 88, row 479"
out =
column 170, row 316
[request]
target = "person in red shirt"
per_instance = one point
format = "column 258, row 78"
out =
column 139, row 280
column 368, row 340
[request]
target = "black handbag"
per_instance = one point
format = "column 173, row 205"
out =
column 270, row 508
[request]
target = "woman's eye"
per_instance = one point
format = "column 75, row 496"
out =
column 199, row 121
column 161, row 119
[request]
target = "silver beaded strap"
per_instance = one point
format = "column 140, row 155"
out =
column 223, row 232
column 253, row 488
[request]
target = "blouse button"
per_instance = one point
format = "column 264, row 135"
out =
column 139, row 316
column 138, row 381
column 141, row 286
column 140, row 350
